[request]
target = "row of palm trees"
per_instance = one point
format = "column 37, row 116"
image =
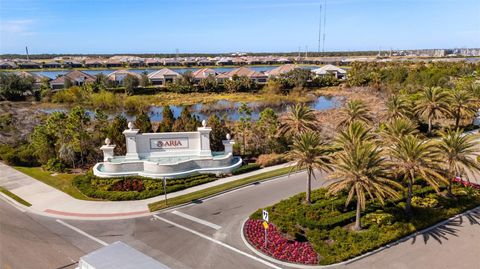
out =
column 435, row 103
column 379, row 163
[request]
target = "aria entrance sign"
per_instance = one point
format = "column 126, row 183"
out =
column 176, row 143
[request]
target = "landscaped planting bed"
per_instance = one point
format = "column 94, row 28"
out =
column 278, row 246
column 134, row 188
column 325, row 225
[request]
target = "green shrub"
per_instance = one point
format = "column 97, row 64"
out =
column 54, row 165
column 246, row 168
column 427, row 202
column 380, row 218
column 22, row 155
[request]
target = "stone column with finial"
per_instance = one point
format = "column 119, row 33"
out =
column 107, row 150
column 228, row 144
column 204, row 137
column 131, row 142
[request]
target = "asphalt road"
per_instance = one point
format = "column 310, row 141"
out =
column 207, row 235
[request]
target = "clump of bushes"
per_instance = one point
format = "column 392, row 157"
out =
column 266, row 160
column 21, row 155
column 134, row 187
column 427, row 202
column 246, row 168
column 380, row 218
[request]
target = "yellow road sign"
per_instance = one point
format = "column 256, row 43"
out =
column 265, row 225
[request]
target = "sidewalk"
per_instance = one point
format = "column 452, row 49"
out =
column 47, row 200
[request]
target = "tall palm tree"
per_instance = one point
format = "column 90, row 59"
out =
column 432, row 105
column 398, row 107
column 356, row 132
column 462, row 105
column 415, row 158
column 397, row 128
column 459, row 152
column 312, row 153
column 299, row 119
column 354, row 110
column 362, row 170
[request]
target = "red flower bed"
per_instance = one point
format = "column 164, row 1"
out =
column 278, row 246
column 466, row 183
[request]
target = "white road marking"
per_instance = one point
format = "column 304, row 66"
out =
column 218, row 242
column 201, row 221
column 82, row 232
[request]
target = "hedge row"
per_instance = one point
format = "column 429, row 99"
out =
column 102, row 188
column 246, row 168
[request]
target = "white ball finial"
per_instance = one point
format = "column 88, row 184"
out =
column 130, row 125
column 229, row 137
column 107, row 141
column 204, row 123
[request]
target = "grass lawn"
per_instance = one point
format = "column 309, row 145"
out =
column 60, row 181
column 14, row 197
column 326, row 223
column 217, row 189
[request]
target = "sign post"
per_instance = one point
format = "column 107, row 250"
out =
column 165, row 188
column 265, row 225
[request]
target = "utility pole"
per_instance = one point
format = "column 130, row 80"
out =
column 26, row 50
column 324, row 23
column 319, row 29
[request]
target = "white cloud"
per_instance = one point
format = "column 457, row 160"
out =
column 18, row 27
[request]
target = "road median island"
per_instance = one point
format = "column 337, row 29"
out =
column 14, row 197
column 201, row 194
column 296, row 228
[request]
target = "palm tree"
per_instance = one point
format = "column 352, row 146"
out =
column 397, row 128
column 415, row 158
column 355, row 133
column 362, row 170
column 459, row 153
column 312, row 153
column 462, row 105
column 354, row 110
column 398, row 107
column 432, row 105
column 299, row 119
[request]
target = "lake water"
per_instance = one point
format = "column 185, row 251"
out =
column 54, row 74
column 224, row 108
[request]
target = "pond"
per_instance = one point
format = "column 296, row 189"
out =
column 223, row 108
column 54, row 74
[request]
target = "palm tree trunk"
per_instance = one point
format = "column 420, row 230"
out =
column 457, row 119
column 408, row 208
column 309, row 185
column 429, row 125
column 358, row 224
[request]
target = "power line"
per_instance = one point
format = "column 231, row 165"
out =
column 320, row 29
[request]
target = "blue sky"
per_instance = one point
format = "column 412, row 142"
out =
column 161, row 26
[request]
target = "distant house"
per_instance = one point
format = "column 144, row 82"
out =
column 37, row 78
column 119, row 75
column 52, row 64
column 28, row 65
column 113, row 63
column 283, row 61
column 203, row 73
column 163, row 76
column 189, row 61
column 225, row 61
column 256, row 76
column 7, row 65
column 93, row 64
column 205, row 62
column 117, row 256
column 171, row 62
column 136, row 63
column 77, row 78
column 72, row 64
column 282, row 69
column 329, row 69
column 153, row 62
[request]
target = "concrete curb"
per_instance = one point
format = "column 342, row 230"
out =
column 14, row 203
column 294, row 265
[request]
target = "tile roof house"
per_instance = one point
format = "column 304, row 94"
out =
column 163, row 76
column 203, row 73
column 78, row 78
column 119, row 75
column 52, row 64
column 93, row 63
column 330, row 70
column 28, row 65
column 72, row 64
column 282, row 69
column 153, row 62
column 37, row 77
column 7, row 65
column 256, row 76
